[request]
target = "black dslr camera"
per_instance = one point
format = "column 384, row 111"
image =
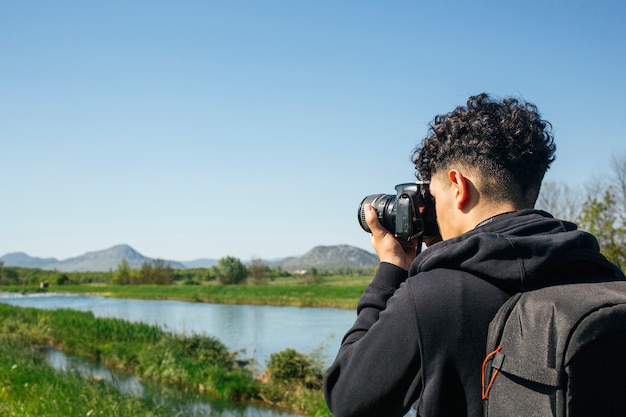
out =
column 409, row 214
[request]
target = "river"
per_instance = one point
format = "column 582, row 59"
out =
column 258, row 331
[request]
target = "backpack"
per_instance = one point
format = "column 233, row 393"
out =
column 558, row 351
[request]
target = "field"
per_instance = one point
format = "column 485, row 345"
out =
column 335, row 292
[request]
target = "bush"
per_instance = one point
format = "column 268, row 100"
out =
column 290, row 365
column 208, row 350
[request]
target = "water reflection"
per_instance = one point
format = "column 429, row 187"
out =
column 126, row 383
column 183, row 403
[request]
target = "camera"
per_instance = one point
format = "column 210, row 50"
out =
column 408, row 214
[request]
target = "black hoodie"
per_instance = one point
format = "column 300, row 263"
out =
column 422, row 340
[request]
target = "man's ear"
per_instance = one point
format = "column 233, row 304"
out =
column 460, row 186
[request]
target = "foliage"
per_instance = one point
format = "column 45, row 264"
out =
column 188, row 361
column 122, row 276
column 294, row 380
column 63, row 279
column 31, row 388
column 193, row 362
column 599, row 207
column 259, row 273
column 560, row 200
column 231, row 270
column 602, row 219
column 13, row 275
column 207, row 349
column 290, row 365
column 8, row 276
column 337, row 292
column 158, row 272
column 197, row 275
column 314, row 277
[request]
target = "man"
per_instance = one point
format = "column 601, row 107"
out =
column 420, row 334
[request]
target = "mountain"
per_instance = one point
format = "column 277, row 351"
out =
column 23, row 260
column 330, row 257
column 97, row 261
column 320, row 257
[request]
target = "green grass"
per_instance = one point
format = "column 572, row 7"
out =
column 31, row 388
column 191, row 362
column 343, row 296
column 194, row 363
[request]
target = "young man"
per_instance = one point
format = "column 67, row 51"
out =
column 420, row 334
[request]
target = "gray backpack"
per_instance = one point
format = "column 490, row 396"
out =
column 558, row 351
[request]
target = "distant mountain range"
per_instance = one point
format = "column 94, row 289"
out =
column 320, row 257
column 102, row 260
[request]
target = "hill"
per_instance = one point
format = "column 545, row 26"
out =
column 330, row 257
column 25, row 261
column 320, row 257
column 97, row 261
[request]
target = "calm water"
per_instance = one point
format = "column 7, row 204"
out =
column 258, row 330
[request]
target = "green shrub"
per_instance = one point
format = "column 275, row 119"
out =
column 290, row 365
column 208, row 350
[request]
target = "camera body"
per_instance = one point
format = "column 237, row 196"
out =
column 408, row 214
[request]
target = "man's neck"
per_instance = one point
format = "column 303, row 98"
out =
column 490, row 213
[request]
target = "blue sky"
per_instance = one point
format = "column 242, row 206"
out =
column 201, row 129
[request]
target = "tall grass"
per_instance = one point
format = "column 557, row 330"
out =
column 343, row 296
column 31, row 388
column 193, row 362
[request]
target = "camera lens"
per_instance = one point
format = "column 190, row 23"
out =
column 384, row 205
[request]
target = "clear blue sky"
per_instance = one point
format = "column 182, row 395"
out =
column 198, row 129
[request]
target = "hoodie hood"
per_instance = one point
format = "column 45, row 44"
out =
column 520, row 250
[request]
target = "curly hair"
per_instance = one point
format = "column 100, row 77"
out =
column 506, row 142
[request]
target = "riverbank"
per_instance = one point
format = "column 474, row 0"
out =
column 336, row 293
column 31, row 388
column 191, row 362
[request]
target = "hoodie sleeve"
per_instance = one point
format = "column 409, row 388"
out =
column 377, row 369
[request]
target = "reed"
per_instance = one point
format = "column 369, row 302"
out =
column 344, row 296
column 31, row 388
column 193, row 362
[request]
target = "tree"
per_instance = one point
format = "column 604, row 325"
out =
column 313, row 277
column 618, row 179
column 8, row 275
column 602, row 219
column 121, row 276
column 145, row 273
column 560, row 200
column 231, row 270
column 604, row 211
column 62, row 279
column 162, row 273
column 258, row 271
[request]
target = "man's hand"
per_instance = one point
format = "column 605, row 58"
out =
column 387, row 247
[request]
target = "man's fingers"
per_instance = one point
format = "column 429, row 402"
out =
column 371, row 218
